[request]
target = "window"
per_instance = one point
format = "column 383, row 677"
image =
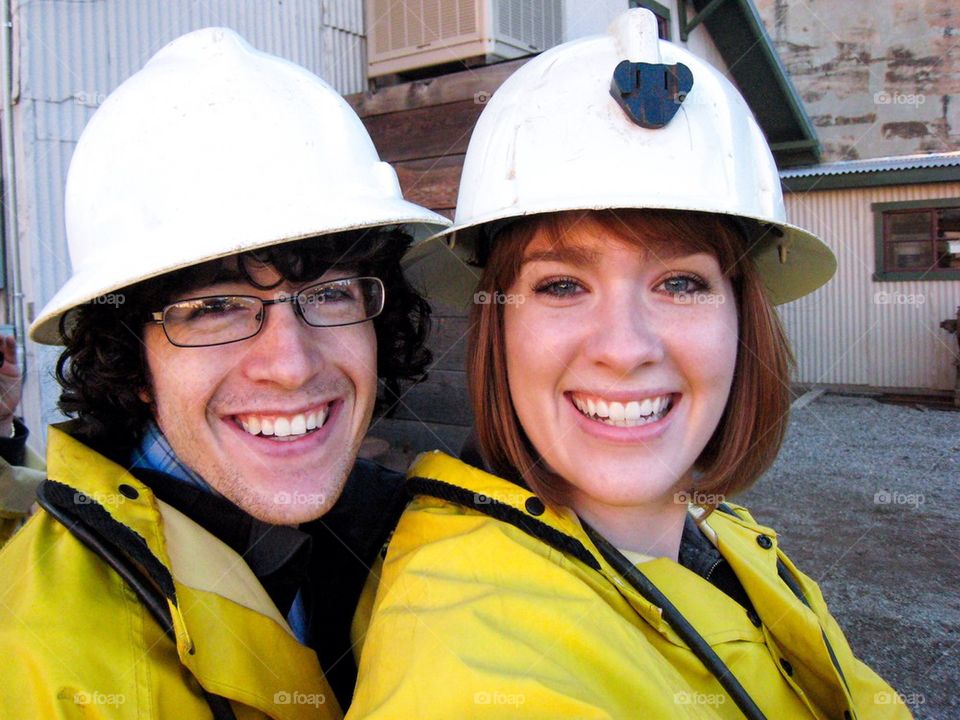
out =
column 918, row 240
column 661, row 11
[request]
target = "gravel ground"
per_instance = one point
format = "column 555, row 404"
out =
column 864, row 497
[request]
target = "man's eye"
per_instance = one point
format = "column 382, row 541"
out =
column 213, row 309
column 334, row 294
column 329, row 296
column 560, row 287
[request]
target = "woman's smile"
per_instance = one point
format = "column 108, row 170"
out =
column 619, row 369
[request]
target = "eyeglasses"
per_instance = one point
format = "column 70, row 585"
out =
column 222, row 319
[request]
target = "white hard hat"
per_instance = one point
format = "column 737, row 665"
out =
column 212, row 149
column 558, row 135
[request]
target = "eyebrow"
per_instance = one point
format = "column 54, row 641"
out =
column 564, row 254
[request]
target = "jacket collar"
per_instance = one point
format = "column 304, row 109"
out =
column 750, row 548
column 224, row 621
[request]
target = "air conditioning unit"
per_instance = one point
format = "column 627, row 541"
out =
column 408, row 35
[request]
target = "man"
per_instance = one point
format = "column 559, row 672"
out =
column 236, row 300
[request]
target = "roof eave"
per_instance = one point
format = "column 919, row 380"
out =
column 742, row 40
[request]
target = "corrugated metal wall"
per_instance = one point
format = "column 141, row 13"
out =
column 855, row 331
column 70, row 54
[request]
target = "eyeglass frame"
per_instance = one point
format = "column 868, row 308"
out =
column 157, row 317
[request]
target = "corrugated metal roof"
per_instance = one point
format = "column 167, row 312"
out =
column 873, row 165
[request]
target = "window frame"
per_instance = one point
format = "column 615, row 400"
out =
column 661, row 11
column 880, row 213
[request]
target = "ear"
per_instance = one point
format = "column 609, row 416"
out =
column 145, row 395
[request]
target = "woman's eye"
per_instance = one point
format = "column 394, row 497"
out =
column 561, row 287
column 683, row 285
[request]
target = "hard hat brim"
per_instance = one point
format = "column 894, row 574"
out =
column 86, row 286
column 803, row 264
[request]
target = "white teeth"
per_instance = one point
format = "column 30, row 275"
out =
column 620, row 414
column 281, row 427
column 284, row 426
column 616, row 411
column 298, row 425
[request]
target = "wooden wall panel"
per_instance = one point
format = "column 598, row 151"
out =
column 423, row 128
column 431, row 181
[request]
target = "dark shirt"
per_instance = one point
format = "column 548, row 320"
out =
column 699, row 555
column 327, row 559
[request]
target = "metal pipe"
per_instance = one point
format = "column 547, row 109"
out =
column 10, row 224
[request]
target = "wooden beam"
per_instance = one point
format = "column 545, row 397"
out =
column 432, row 182
column 478, row 83
column 427, row 132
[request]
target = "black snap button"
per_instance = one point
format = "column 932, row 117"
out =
column 787, row 667
column 129, row 491
column 764, row 542
column 753, row 617
column 534, row 506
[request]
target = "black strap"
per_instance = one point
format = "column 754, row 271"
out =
column 501, row 511
column 571, row 546
column 92, row 525
column 700, row 647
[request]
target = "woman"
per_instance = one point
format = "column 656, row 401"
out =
column 628, row 374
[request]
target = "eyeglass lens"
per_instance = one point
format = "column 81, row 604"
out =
column 223, row 319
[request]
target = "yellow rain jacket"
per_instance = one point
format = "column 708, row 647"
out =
column 91, row 581
column 490, row 605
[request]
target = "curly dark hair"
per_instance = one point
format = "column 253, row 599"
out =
column 103, row 368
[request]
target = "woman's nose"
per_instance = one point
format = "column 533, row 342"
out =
column 625, row 333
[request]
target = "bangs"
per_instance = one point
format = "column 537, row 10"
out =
column 660, row 234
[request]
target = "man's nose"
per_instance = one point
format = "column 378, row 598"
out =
column 285, row 351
